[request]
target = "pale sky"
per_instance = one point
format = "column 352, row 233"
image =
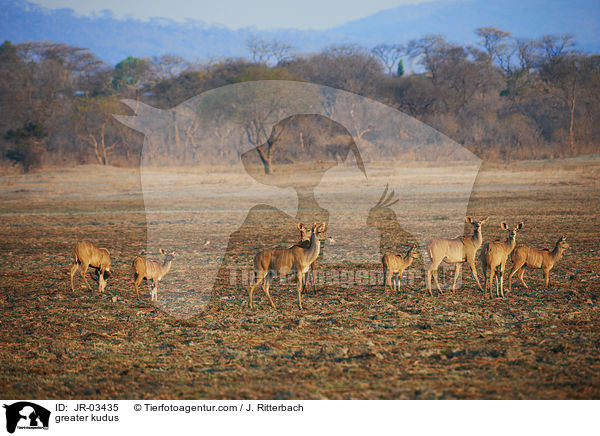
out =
column 263, row 14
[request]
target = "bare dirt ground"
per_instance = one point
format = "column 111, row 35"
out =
column 348, row 342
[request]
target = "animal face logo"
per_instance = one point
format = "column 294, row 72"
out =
column 233, row 171
column 25, row 414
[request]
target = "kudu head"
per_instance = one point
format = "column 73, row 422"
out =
column 305, row 232
column 562, row 243
column 476, row 224
column 169, row 255
column 413, row 252
column 318, row 230
column 512, row 233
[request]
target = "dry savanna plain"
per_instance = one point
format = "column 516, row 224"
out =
column 350, row 341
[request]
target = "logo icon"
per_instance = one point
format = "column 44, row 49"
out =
column 266, row 156
column 26, row 415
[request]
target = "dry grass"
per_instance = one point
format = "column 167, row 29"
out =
column 349, row 342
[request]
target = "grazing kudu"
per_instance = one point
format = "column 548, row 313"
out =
column 282, row 261
column 151, row 270
column 494, row 255
column 536, row 259
column 396, row 264
column 456, row 250
column 86, row 254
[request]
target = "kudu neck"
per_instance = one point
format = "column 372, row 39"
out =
column 408, row 256
column 557, row 252
column 477, row 236
column 511, row 241
column 315, row 246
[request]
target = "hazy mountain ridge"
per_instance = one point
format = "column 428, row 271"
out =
column 113, row 39
column 458, row 19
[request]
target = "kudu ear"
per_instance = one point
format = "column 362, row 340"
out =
column 504, row 225
column 321, row 228
column 468, row 219
column 519, row 226
column 300, row 227
column 484, row 220
column 162, row 251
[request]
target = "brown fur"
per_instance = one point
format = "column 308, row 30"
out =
column 304, row 242
column 456, row 250
column 151, row 270
column 533, row 258
column 396, row 264
column 494, row 255
column 282, row 261
column 86, row 254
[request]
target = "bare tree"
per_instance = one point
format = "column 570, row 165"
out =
column 90, row 118
column 263, row 50
column 556, row 45
column 563, row 74
column 389, row 55
column 496, row 44
column 168, row 66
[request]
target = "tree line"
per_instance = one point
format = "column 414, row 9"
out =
column 504, row 99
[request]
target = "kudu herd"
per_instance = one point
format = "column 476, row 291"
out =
column 299, row 258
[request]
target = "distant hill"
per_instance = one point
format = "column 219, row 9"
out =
column 114, row 39
column 457, row 20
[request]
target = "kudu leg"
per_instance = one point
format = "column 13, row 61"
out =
column 520, row 276
column 300, row 277
column 73, row 271
column 433, row 271
column 83, row 272
column 490, row 282
column 259, row 277
column 101, row 281
column 456, row 275
column 474, row 271
column 502, row 268
column 386, row 280
column 266, row 286
column 433, row 267
column 154, row 290
column 137, row 279
column 516, row 269
column 437, row 282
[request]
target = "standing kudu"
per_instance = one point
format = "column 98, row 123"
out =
column 533, row 258
column 494, row 255
column 455, row 251
column 282, row 261
column 305, row 233
column 395, row 265
column 151, row 270
column 86, row 254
